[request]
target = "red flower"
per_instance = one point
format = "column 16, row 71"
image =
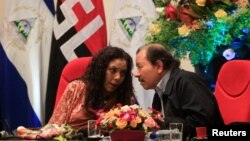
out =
column 118, row 105
column 98, row 121
column 170, row 12
column 187, row 15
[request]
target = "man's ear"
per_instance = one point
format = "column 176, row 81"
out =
column 159, row 65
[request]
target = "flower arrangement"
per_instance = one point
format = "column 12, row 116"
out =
column 200, row 28
column 131, row 117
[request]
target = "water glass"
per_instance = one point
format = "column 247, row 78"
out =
column 93, row 130
column 164, row 135
column 176, row 131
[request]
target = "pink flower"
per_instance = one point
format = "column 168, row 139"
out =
column 150, row 122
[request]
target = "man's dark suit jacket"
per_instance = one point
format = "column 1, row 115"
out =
column 188, row 99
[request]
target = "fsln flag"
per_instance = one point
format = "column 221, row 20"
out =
column 79, row 30
column 25, row 37
column 130, row 22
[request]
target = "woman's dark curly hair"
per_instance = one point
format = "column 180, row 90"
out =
column 95, row 74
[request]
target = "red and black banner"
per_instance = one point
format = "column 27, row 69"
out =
column 79, row 30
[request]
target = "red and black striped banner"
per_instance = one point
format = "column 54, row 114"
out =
column 79, row 30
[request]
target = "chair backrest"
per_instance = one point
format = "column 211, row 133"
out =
column 74, row 69
column 232, row 91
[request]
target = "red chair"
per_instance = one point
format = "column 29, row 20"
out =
column 232, row 91
column 74, row 69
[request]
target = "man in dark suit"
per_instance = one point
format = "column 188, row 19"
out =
column 182, row 96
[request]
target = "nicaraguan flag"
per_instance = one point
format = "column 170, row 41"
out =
column 25, row 37
column 129, row 24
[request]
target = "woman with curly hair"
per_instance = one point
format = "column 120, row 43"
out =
column 106, row 82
